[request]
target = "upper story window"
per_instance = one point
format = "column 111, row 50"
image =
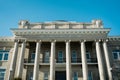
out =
column 32, row 57
column 88, row 56
column 3, row 55
column 46, row 56
column 2, row 74
column 74, row 56
column 60, row 56
column 116, row 54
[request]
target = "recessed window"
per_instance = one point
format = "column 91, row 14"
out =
column 30, row 75
column 32, row 57
column 75, row 75
column 46, row 56
column 116, row 54
column 88, row 56
column 60, row 56
column 74, row 56
column 4, row 55
column 2, row 74
column 45, row 75
column 90, row 77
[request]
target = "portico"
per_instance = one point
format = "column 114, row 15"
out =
column 52, row 49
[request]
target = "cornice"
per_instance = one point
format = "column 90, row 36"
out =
column 59, row 31
column 114, row 38
column 6, row 39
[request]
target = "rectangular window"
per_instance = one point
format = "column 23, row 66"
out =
column 45, row 75
column 46, row 56
column 30, row 76
column 116, row 54
column 74, row 56
column 75, row 75
column 88, row 56
column 60, row 56
column 2, row 74
column 32, row 57
column 90, row 75
column 3, row 55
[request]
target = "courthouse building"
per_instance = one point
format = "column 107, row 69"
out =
column 60, row 50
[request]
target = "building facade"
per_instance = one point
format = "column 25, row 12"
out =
column 60, row 50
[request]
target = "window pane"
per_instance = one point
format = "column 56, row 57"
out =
column 75, row 76
column 74, row 56
column 46, row 57
column 89, row 75
column 6, row 56
column 1, row 55
column 46, row 76
column 2, row 74
column 115, row 55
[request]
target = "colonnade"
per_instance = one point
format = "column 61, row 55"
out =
column 68, row 60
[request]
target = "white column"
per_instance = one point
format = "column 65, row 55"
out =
column 68, row 61
column 107, row 60
column 21, row 60
column 99, row 59
column 13, row 61
column 52, row 61
column 36, row 63
column 84, row 61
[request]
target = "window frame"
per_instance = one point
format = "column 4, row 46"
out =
column 46, row 58
column 88, row 53
column 91, row 75
column 47, row 76
column 74, row 59
column 74, row 76
column 4, row 52
column 4, row 72
column 60, row 58
column 118, row 54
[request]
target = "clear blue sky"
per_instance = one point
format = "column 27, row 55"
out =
column 12, row 11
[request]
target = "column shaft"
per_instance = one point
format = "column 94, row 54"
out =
column 107, row 60
column 13, row 61
column 21, row 61
column 100, row 64
column 84, row 61
column 52, row 61
column 36, row 62
column 68, row 61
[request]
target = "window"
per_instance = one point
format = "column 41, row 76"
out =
column 46, row 57
column 74, row 56
column 30, row 76
column 88, row 56
column 75, row 75
column 45, row 75
column 4, row 55
column 32, row 57
column 2, row 74
column 60, row 56
column 90, row 75
column 116, row 54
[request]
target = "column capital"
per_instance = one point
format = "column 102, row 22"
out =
column 82, row 40
column 16, row 40
column 53, row 41
column 105, row 40
column 38, row 41
column 67, row 40
column 98, row 40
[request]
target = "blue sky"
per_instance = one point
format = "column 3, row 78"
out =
column 12, row 11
